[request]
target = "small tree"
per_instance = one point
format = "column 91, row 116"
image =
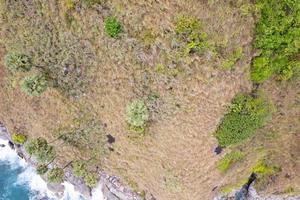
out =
column 56, row 175
column 34, row 85
column 112, row 27
column 40, row 149
column 90, row 180
column 79, row 169
column 41, row 169
column 137, row 114
column 18, row 138
column 17, row 62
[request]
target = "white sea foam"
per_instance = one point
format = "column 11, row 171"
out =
column 97, row 193
column 35, row 182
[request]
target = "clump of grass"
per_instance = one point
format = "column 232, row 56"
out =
column 229, row 159
column 90, row 180
column 34, row 85
column 41, row 169
column 234, row 57
column 137, row 115
column 40, row 149
column 190, row 34
column 277, row 38
column 79, row 169
column 18, row 138
column 264, row 170
column 112, row 27
column 246, row 115
column 17, row 62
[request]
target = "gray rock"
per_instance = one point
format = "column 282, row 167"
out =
column 57, row 189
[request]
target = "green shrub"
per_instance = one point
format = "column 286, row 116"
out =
column 18, row 138
column 190, row 34
column 17, row 62
column 90, row 180
column 40, row 149
column 137, row 114
column 79, row 169
column 56, row 175
column 277, row 34
column 225, row 163
column 41, row 169
column 112, row 27
column 245, row 116
column 34, row 85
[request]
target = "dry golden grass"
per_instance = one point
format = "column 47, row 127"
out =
column 175, row 159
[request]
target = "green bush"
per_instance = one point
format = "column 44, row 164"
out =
column 190, row 34
column 90, row 180
column 224, row 164
column 40, row 149
column 245, row 116
column 277, row 36
column 41, row 169
column 112, row 27
column 137, row 114
column 79, row 169
column 18, row 138
column 34, row 85
column 56, row 175
column 17, row 62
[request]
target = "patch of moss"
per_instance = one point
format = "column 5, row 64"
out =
column 229, row 159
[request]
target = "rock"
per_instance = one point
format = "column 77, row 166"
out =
column 2, row 145
column 58, row 189
column 11, row 145
column 218, row 150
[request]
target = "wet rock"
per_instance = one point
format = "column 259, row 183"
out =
column 11, row 145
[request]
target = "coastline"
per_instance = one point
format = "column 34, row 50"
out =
column 111, row 187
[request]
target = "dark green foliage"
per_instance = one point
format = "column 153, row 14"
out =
column 137, row 114
column 56, row 175
column 34, row 85
column 245, row 116
column 278, row 39
column 112, row 27
column 41, row 169
column 17, row 62
column 40, row 149
column 190, row 34
column 18, row 138
column 79, row 169
column 90, row 180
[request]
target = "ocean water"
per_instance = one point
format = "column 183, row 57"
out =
column 19, row 181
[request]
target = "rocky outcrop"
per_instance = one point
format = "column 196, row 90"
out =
column 111, row 186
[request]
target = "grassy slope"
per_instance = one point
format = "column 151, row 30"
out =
column 174, row 160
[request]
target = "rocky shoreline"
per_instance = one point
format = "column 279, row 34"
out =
column 112, row 188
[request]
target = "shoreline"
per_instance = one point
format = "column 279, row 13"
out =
column 111, row 187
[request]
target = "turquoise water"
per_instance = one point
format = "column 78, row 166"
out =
column 19, row 181
column 9, row 187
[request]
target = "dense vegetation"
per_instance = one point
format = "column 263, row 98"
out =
column 56, row 175
column 112, row 27
column 245, row 116
column 40, row 149
column 137, row 115
column 17, row 62
column 277, row 36
column 34, row 85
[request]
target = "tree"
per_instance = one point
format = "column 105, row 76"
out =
column 56, row 175
column 18, row 138
column 40, row 149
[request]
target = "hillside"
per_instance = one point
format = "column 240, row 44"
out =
column 146, row 90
